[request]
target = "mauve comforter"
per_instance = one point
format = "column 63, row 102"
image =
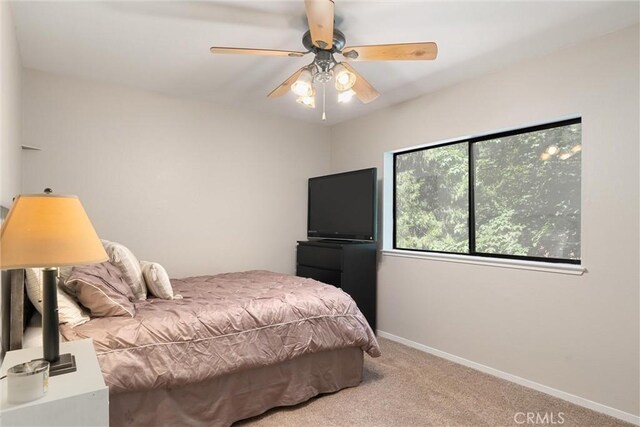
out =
column 224, row 323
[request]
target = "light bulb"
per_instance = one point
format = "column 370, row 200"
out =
column 346, row 96
column 303, row 85
column 545, row 156
column 552, row 149
column 345, row 79
column 565, row 155
column 576, row 148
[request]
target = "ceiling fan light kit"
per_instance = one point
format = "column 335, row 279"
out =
column 309, row 100
column 323, row 40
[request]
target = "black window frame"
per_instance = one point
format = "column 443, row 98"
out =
column 472, row 222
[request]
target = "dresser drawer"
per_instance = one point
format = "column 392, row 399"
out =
column 320, row 257
column 331, row 277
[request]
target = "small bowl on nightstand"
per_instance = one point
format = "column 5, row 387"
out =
column 27, row 381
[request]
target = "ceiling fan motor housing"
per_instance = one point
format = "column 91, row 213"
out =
column 338, row 42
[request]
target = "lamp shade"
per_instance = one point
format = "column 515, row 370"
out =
column 48, row 230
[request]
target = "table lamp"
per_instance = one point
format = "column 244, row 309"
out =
column 49, row 231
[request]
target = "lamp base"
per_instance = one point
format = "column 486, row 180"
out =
column 64, row 365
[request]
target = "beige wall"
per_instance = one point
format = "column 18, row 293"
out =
column 9, row 108
column 578, row 334
column 199, row 188
column 205, row 189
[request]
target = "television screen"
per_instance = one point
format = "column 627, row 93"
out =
column 343, row 206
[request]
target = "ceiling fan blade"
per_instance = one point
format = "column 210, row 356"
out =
column 284, row 87
column 363, row 89
column 320, row 15
column 250, row 51
column 392, row 52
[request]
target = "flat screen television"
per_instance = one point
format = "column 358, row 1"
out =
column 343, row 206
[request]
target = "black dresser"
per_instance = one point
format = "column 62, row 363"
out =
column 347, row 265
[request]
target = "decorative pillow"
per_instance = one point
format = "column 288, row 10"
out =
column 126, row 261
column 157, row 280
column 102, row 289
column 64, row 273
column 68, row 310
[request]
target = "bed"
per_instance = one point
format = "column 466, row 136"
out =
column 234, row 346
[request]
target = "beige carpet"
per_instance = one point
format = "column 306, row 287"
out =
column 406, row 387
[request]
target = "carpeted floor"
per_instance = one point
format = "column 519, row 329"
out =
column 407, row 387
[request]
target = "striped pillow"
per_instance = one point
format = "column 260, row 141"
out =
column 126, row 261
column 69, row 311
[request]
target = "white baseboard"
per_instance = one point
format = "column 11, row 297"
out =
column 589, row 404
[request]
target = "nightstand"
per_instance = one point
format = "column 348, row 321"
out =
column 80, row 398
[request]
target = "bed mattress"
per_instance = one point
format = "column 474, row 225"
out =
column 224, row 324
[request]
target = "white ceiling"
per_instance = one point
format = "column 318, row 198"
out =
column 164, row 46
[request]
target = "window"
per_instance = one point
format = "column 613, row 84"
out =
column 513, row 195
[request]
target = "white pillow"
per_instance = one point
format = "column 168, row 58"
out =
column 129, row 266
column 68, row 310
column 157, row 280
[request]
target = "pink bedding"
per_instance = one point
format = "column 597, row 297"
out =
column 224, row 324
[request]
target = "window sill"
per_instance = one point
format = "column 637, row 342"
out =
column 549, row 267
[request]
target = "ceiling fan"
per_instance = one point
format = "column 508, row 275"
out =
column 323, row 40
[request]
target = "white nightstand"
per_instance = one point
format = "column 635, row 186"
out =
column 77, row 399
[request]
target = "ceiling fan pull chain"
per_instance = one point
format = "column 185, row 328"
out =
column 324, row 101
